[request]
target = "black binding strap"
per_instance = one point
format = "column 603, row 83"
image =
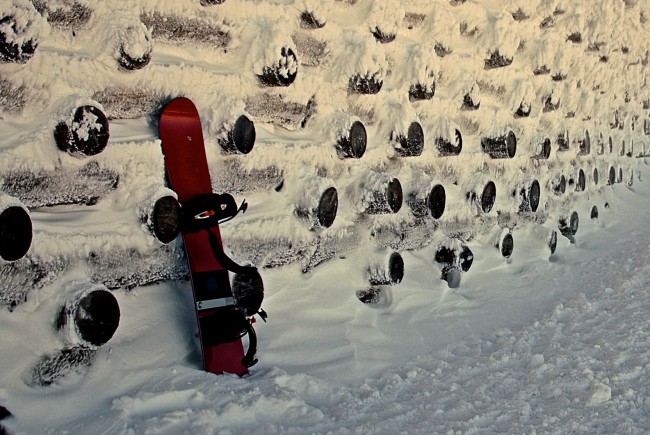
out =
column 224, row 260
column 209, row 209
column 242, row 208
column 249, row 359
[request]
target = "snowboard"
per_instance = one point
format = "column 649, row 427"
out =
column 188, row 175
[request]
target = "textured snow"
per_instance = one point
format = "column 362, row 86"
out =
column 26, row 24
column 538, row 342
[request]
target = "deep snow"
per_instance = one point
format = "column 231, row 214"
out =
column 533, row 343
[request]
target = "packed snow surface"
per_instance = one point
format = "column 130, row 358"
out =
column 537, row 342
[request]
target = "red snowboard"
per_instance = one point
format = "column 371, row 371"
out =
column 187, row 170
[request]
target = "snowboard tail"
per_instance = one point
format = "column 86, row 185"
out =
column 188, row 174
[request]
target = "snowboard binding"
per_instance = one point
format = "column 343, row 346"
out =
column 229, row 326
column 222, row 322
column 204, row 212
column 237, row 321
column 210, row 209
column 248, row 293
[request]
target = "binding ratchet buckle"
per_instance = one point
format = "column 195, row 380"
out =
column 209, row 213
column 204, row 214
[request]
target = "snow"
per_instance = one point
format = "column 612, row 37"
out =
column 538, row 342
column 25, row 23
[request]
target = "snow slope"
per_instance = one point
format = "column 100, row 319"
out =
column 537, row 342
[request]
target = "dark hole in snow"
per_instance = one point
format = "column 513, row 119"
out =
column 244, row 134
column 413, row 144
column 449, row 148
column 546, row 149
column 466, row 258
column 451, row 257
column 547, row 22
column 444, row 255
column 396, row 268
column 552, row 241
column 382, row 37
column 327, row 207
column 497, row 60
column 611, row 179
column 394, row 195
column 308, row 21
column 415, row 140
column 575, row 37
column 585, row 145
column 562, row 141
column 549, row 105
column 422, row 91
column 367, row 84
column 559, row 185
column 353, row 146
column 507, row 245
column 86, row 134
column 520, row 15
column 97, row 317
column 133, row 62
column 436, row 201
column 595, row 175
column 469, row 103
column 594, row 212
column 388, row 200
column 568, row 225
column 558, row 77
column 533, row 195
column 488, row 197
column 541, row 70
column 511, row 144
column 284, row 72
column 15, row 233
column 500, row 147
column 241, row 139
column 166, row 219
column 11, row 51
column 523, row 111
column 581, row 184
column 372, row 295
column 441, row 50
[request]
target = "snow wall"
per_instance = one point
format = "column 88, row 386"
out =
column 356, row 129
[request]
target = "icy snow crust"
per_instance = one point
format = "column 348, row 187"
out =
column 536, row 342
